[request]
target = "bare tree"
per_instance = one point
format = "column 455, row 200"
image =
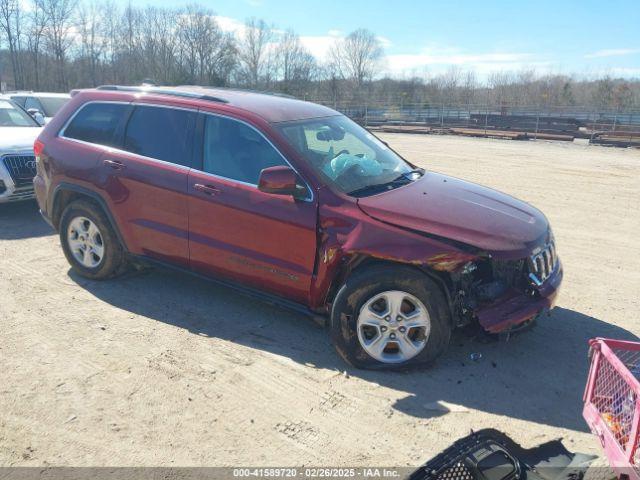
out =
column 59, row 14
column 93, row 39
column 296, row 66
column 468, row 88
column 10, row 23
column 253, row 52
column 160, row 43
column 97, row 41
column 603, row 95
column 110, row 30
column 567, row 93
column 207, row 52
column 128, row 45
column 449, row 84
column 37, row 22
column 623, row 96
column 357, row 56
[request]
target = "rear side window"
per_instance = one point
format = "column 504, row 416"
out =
column 97, row 123
column 32, row 103
column 51, row 105
column 161, row 133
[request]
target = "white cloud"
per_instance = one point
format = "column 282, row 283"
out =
column 318, row 45
column 613, row 52
column 231, row 25
column 435, row 59
column 228, row 24
column 384, row 41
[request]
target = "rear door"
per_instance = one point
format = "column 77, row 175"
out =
column 146, row 180
column 235, row 230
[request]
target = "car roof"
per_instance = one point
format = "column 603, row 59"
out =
column 50, row 94
column 273, row 108
column 38, row 94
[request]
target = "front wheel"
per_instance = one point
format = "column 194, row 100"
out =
column 390, row 317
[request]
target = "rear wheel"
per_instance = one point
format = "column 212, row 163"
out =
column 89, row 242
column 390, row 317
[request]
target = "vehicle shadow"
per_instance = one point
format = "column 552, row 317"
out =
column 22, row 220
column 507, row 380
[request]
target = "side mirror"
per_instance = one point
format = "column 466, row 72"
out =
column 281, row 180
column 37, row 115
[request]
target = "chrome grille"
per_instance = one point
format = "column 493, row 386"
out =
column 542, row 263
column 22, row 168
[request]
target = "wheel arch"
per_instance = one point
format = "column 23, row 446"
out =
column 65, row 193
column 358, row 263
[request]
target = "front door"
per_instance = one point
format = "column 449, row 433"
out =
column 236, row 231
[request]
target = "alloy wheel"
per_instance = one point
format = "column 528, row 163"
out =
column 393, row 326
column 85, row 242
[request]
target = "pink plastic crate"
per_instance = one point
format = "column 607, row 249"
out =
column 612, row 402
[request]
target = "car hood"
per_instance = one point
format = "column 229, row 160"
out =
column 461, row 211
column 18, row 138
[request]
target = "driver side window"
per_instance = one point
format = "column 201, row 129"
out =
column 236, row 151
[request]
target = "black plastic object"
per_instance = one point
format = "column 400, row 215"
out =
column 491, row 455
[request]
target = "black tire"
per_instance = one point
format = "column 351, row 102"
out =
column 362, row 286
column 113, row 262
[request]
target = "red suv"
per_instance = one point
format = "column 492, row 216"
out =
column 296, row 203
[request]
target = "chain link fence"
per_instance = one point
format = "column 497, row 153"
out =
column 603, row 126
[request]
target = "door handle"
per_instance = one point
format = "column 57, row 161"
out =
column 206, row 189
column 114, row 164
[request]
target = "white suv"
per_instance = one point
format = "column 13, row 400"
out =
column 40, row 103
column 18, row 131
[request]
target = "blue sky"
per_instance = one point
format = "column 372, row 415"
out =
column 584, row 37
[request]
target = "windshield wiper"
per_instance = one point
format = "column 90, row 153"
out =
column 380, row 187
column 403, row 179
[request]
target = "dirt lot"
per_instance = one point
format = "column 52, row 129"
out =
column 164, row 369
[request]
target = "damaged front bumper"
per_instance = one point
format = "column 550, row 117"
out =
column 516, row 307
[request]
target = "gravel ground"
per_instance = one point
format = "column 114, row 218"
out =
column 160, row 368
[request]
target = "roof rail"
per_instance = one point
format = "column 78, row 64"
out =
column 162, row 91
column 248, row 90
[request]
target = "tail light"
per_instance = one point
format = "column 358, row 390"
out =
column 38, row 146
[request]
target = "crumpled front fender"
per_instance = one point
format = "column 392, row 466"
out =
column 346, row 233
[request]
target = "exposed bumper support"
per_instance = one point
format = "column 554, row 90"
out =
column 515, row 307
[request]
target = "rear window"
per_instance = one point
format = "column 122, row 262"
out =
column 51, row 105
column 97, row 123
column 161, row 133
column 19, row 100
